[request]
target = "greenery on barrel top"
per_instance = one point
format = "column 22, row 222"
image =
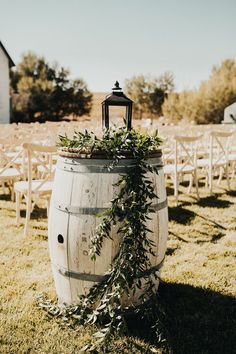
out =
column 130, row 210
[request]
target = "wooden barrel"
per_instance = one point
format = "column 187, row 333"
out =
column 83, row 188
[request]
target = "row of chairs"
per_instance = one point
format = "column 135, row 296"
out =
column 199, row 157
column 28, row 170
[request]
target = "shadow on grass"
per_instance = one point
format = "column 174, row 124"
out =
column 231, row 193
column 216, row 237
column 6, row 197
column 170, row 251
column 180, row 215
column 184, row 216
column 169, row 190
column 37, row 214
column 197, row 320
column 214, row 202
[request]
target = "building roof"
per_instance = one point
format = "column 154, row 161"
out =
column 11, row 62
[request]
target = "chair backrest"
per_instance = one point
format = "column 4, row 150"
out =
column 11, row 151
column 219, row 145
column 42, row 155
column 232, row 143
column 186, row 150
column 167, row 148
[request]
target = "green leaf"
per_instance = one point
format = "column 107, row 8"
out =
column 100, row 214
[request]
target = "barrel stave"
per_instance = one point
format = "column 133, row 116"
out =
column 81, row 189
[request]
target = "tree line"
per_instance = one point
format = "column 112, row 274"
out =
column 42, row 91
column 207, row 103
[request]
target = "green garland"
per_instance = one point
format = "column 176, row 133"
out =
column 129, row 210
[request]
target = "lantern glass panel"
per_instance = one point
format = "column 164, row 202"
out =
column 117, row 115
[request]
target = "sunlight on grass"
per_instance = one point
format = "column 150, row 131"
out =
column 197, row 292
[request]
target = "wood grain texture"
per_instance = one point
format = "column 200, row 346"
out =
column 82, row 189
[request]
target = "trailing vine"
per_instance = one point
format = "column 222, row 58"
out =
column 130, row 211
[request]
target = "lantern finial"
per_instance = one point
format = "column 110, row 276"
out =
column 116, row 87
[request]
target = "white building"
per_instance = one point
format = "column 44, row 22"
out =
column 5, row 64
column 230, row 114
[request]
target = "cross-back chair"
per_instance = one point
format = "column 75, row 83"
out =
column 216, row 163
column 10, row 170
column 184, row 164
column 33, row 189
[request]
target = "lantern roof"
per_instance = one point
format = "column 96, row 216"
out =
column 117, row 97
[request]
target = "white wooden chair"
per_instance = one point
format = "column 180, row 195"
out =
column 217, row 161
column 185, row 163
column 32, row 189
column 10, row 169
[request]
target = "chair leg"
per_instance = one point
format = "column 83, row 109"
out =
column 176, row 189
column 12, row 191
column 28, row 212
column 18, row 198
column 210, row 181
column 196, row 184
column 32, row 206
column 4, row 188
column 227, row 176
column 207, row 179
column 190, row 184
column 48, row 205
column 220, row 176
column 233, row 169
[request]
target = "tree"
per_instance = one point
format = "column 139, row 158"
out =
column 148, row 93
column 41, row 91
column 216, row 93
column 207, row 103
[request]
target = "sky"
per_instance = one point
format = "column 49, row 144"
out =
column 103, row 41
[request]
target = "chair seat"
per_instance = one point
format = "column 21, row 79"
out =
column 10, row 173
column 203, row 162
column 232, row 157
column 22, row 187
column 169, row 169
column 206, row 162
column 201, row 154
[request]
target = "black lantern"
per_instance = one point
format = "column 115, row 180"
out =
column 116, row 98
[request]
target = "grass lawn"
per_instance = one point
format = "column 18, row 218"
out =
column 197, row 292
